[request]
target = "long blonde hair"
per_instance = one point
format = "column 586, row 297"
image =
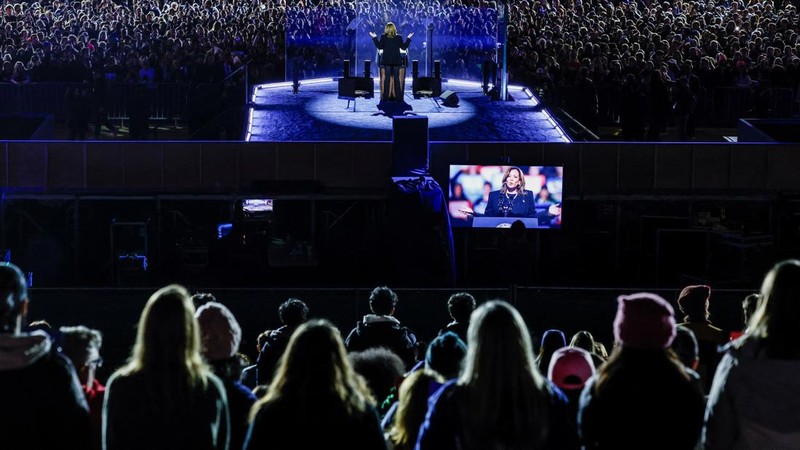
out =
column 390, row 29
column 315, row 372
column 412, row 407
column 167, row 350
column 506, row 397
column 774, row 323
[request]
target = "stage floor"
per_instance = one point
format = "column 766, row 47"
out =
column 316, row 113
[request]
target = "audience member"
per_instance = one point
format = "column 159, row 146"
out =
column 220, row 335
column 445, row 356
column 501, row 398
column 460, row 306
column 382, row 329
column 316, row 399
column 688, row 352
column 412, row 407
column 43, row 404
column 693, row 302
column 622, row 406
column 585, row 340
column 292, row 313
column 382, row 369
column 570, row 368
column 754, row 396
column 82, row 346
column 166, row 397
column 749, row 306
column 250, row 373
column 552, row 340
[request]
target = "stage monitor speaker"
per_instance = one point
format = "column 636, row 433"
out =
column 449, row 98
column 346, row 68
column 410, row 154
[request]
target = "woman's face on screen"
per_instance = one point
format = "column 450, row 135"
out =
column 513, row 180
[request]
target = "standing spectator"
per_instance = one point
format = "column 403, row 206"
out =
column 166, row 397
column 685, row 347
column 683, row 107
column 585, row 340
column 250, row 373
column 501, row 400
column 693, row 302
column 292, row 313
column 220, row 335
column 552, row 340
column 622, row 406
column 586, row 95
column 633, row 109
column 754, row 397
column 316, row 399
column 82, row 346
column 460, row 306
column 43, row 405
column 383, row 371
column 569, row 369
column 382, row 329
column 412, row 407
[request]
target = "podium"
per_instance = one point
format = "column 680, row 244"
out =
column 382, row 71
column 503, row 222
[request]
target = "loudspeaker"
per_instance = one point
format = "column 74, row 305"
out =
column 437, row 69
column 367, row 68
column 414, row 68
column 346, row 68
column 449, row 98
column 410, row 154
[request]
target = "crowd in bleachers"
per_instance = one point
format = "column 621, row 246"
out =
column 636, row 63
column 484, row 381
column 148, row 41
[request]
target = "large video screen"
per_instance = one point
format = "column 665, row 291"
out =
column 498, row 196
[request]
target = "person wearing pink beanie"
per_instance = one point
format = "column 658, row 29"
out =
column 624, row 405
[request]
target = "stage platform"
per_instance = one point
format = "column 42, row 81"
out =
column 315, row 113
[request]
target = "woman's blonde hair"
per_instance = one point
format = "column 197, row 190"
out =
column 412, row 407
column 167, row 350
column 315, row 372
column 390, row 30
column 506, row 397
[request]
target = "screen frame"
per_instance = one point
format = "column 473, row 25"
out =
column 469, row 185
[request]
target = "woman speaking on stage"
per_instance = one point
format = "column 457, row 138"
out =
column 391, row 60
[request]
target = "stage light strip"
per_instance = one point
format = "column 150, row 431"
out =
column 290, row 83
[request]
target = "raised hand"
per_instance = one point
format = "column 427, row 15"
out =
column 372, row 34
column 409, row 35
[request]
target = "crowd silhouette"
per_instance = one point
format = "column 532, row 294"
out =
column 181, row 387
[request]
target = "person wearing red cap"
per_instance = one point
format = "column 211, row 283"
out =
column 624, row 405
column 570, row 368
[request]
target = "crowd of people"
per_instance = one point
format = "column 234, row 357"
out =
column 652, row 61
column 480, row 383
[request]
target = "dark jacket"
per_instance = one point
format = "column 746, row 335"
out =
column 271, row 352
column 443, row 428
column 391, row 49
column 44, row 406
column 383, row 331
